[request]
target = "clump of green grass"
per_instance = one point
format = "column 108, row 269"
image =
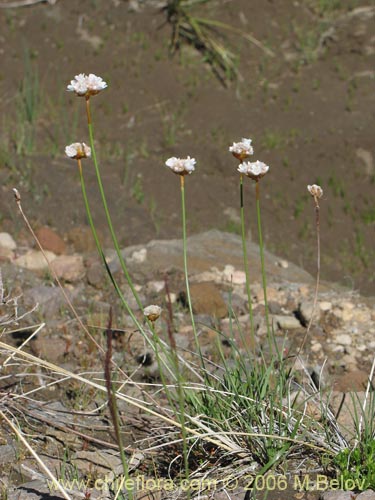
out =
column 206, row 35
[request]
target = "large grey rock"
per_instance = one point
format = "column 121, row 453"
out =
column 211, row 249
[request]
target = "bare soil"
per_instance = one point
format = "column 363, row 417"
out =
column 309, row 110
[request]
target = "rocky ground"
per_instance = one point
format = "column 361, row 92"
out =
column 338, row 353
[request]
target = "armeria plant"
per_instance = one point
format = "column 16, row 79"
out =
column 248, row 407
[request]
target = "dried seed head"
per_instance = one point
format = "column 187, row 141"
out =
column 315, row 191
column 152, row 312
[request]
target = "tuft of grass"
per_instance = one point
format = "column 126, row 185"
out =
column 206, row 35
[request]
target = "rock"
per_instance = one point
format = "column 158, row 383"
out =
column 206, row 299
column 306, row 310
column 139, row 256
column 36, row 489
column 348, row 382
column 366, row 495
column 82, row 239
column 6, row 254
column 337, row 495
column 208, row 250
column 343, row 339
column 96, row 275
column 49, row 298
column 325, row 306
column 367, row 161
column 8, row 454
column 316, row 347
column 69, row 267
column 50, row 349
column 156, row 286
column 35, row 260
column 6, row 241
column 50, row 240
column 286, row 322
column 101, row 461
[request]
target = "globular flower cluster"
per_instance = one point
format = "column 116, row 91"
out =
column 87, row 85
column 78, row 150
column 181, row 166
column 242, row 150
column 255, row 170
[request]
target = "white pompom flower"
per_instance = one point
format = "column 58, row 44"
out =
column 181, row 166
column 152, row 312
column 87, row 85
column 242, row 150
column 78, row 150
column 315, row 191
column 255, row 170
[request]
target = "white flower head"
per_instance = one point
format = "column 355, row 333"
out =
column 242, row 150
column 315, row 191
column 181, row 166
column 78, row 150
column 255, row 170
column 152, row 312
column 87, row 85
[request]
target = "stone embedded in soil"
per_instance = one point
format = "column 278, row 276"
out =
column 366, row 495
column 49, row 299
column 82, row 239
column 8, row 453
column 69, row 267
column 50, row 240
column 356, row 381
column 286, row 322
column 337, row 495
column 6, row 254
column 207, row 299
column 343, row 339
column 306, row 310
column 96, row 275
column 50, row 349
column 35, row 260
column 367, row 160
column 6, row 241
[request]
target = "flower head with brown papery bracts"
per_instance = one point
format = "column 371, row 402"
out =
column 315, row 191
column 78, row 150
column 152, row 312
column 255, row 170
column 242, row 150
column 87, row 85
column 181, row 166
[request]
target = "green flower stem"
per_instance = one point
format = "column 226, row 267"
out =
column 180, row 393
column 261, row 250
column 100, row 250
column 182, row 178
column 246, row 266
column 105, row 205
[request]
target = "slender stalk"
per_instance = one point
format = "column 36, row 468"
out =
column 246, row 266
column 112, row 403
column 261, row 250
column 182, row 178
column 105, row 205
column 317, row 224
column 100, row 250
